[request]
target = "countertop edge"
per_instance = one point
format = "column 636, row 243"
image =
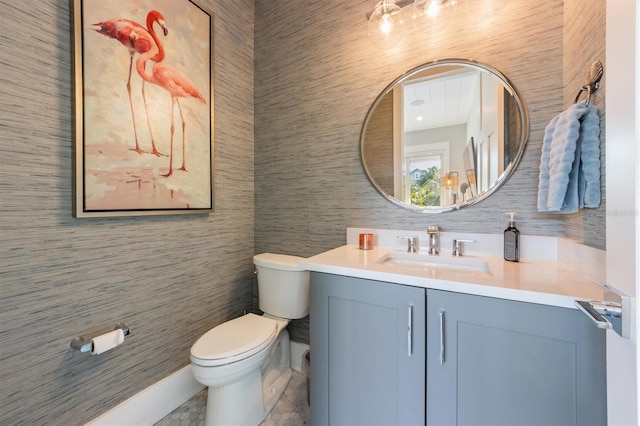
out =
column 333, row 262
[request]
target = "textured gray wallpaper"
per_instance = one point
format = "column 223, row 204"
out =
column 316, row 76
column 169, row 278
column 584, row 41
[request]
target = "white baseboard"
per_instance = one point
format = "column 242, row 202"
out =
column 152, row 404
column 149, row 406
column 297, row 351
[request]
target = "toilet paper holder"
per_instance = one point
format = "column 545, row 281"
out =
column 85, row 344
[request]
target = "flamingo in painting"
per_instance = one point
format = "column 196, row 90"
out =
column 137, row 39
column 173, row 81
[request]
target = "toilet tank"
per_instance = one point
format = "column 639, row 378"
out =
column 283, row 287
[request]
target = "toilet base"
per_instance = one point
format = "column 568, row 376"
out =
column 250, row 399
column 272, row 394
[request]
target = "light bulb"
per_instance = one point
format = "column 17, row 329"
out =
column 433, row 8
column 384, row 24
column 429, row 9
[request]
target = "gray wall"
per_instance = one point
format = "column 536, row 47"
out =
column 584, row 41
column 169, row 278
column 316, row 76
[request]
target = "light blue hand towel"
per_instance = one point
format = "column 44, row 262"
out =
column 589, row 178
column 570, row 162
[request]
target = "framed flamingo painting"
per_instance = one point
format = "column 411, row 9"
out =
column 143, row 107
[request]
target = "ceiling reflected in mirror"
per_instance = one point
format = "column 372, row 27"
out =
column 438, row 102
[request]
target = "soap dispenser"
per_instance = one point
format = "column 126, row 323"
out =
column 512, row 240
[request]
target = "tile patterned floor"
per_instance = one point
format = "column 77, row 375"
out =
column 291, row 410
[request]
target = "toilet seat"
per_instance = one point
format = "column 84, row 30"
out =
column 234, row 340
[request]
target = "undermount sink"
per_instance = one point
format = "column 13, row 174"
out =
column 429, row 263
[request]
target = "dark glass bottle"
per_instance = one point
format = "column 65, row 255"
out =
column 512, row 240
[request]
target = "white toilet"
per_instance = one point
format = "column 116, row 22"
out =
column 246, row 362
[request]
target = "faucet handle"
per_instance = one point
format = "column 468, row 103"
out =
column 412, row 243
column 458, row 246
column 434, row 239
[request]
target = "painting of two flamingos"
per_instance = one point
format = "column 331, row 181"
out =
column 146, row 139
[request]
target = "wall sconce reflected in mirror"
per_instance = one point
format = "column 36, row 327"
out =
column 451, row 181
column 471, row 179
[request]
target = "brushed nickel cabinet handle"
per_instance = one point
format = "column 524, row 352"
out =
column 442, row 349
column 410, row 331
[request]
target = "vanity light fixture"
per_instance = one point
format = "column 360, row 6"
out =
column 389, row 15
column 430, row 8
column 383, row 24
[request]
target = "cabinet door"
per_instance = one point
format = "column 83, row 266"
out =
column 498, row 362
column 367, row 363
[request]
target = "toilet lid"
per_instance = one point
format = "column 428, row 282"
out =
column 234, row 340
column 283, row 262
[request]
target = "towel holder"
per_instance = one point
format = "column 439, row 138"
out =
column 610, row 313
column 592, row 82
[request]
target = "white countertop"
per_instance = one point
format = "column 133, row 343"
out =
column 530, row 280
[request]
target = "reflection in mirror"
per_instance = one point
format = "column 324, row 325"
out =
column 443, row 136
column 470, row 167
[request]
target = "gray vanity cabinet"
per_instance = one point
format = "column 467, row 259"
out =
column 499, row 362
column 367, row 352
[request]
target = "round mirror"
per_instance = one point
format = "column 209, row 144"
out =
column 444, row 135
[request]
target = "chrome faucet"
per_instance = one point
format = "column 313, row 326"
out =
column 458, row 246
column 434, row 239
column 412, row 244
